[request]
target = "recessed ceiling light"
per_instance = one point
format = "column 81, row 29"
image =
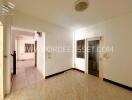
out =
column 81, row 5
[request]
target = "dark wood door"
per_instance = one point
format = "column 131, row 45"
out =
column 35, row 53
column 93, row 59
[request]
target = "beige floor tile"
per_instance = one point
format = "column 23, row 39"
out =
column 71, row 85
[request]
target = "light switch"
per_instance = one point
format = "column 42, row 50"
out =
column 49, row 55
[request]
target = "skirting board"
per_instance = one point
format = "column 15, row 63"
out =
column 118, row 84
column 77, row 70
column 56, row 74
column 107, row 80
column 63, row 72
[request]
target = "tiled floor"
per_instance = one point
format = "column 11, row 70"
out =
column 72, row 85
column 27, row 75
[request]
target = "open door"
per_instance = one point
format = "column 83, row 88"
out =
column 14, row 62
column 93, row 58
column 35, row 53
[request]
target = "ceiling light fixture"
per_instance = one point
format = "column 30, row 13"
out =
column 81, row 5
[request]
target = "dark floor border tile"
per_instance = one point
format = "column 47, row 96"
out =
column 118, row 84
column 49, row 76
column 77, row 70
column 63, row 72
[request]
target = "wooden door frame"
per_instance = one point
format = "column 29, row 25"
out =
column 101, row 59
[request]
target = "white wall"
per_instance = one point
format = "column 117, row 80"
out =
column 58, row 61
column 40, row 53
column 21, row 55
column 54, row 36
column 117, row 32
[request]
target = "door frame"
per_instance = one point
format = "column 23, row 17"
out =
column 2, row 87
column 101, row 59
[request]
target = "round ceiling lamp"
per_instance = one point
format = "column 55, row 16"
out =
column 81, row 5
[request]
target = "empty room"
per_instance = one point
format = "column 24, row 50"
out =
column 65, row 49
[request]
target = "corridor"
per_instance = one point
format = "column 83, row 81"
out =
column 26, row 75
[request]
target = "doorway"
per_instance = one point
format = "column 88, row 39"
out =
column 25, row 43
column 93, row 58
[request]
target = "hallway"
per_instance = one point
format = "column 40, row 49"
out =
column 26, row 75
